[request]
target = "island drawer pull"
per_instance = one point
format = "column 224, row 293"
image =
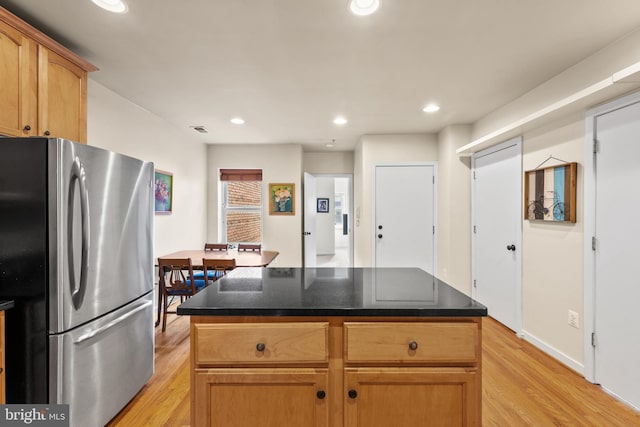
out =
column 260, row 346
column 413, row 345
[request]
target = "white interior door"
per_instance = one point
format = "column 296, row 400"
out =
column 309, row 220
column 617, row 266
column 404, row 221
column 497, row 231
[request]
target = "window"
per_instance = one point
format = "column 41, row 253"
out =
column 242, row 205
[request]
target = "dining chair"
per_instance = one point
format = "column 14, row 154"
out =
column 216, row 268
column 249, row 247
column 176, row 280
column 216, row 247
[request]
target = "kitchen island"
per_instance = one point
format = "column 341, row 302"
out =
column 334, row 347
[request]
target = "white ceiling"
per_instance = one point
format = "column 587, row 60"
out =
column 288, row 67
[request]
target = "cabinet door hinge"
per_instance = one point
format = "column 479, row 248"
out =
column 474, row 174
column 596, row 146
column 593, row 339
column 593, row 243
column 474, row 229
column 434, row 229
column 474, row 283
column 434, row 179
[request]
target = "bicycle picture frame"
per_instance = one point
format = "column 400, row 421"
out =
column 550, row 193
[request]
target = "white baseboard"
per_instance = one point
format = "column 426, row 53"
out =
column 553, row 352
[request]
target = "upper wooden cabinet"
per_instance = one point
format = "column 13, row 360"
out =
column 18, row 82
column 43, row 85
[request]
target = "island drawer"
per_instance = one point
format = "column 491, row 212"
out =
column 261, row 343
column 420, row 342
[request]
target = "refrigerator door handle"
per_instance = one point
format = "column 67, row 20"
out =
column 111, row 324
column 78, row 289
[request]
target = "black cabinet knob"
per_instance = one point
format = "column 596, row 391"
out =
column 511, row 248
column 379, row 227
column 379, row 236
column 47, row 133
column 320, row 394
column 260, row 346
column 352, row 394
column 413, row 345
column 27, row 128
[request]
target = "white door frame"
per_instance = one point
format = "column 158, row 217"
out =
column 435, row 207
column 590, row 225
column 518, row 238
column 351, row 206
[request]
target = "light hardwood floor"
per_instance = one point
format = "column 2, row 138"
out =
column 521, row 386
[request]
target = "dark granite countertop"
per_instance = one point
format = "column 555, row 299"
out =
column 6, row 304
column 404, row 292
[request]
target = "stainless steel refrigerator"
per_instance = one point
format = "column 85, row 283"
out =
column 76, row 230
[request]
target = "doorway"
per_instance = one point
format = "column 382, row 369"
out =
column 328, row 237
column 497, row 231
column 612, row 245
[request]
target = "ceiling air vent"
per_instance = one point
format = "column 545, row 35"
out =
column 200, row 129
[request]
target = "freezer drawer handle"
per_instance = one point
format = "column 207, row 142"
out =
column 111, row 324
column 78, row 291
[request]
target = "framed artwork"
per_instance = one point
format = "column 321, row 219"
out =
column 550, row 193
column 322, row 205
column 163, row 196
column 282, row 199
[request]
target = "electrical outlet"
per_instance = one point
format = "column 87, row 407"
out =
column 574, row 319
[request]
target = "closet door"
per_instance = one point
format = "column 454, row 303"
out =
column 497, row 231
column 617, row 266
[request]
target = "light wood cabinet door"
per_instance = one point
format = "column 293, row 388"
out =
column 62, row 97
column 261, row 397
column 18, row 72
column 389, row 397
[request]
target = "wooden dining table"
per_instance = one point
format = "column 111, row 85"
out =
column 243, row 259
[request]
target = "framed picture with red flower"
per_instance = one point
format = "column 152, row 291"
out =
column 163, row 195
column 282, row 199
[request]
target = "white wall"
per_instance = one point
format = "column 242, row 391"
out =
column 381, row 149
column 334, row 162
column 280, row 163
column 552, row 254
column 116, row 124
column 454, row 209
column 325, row 228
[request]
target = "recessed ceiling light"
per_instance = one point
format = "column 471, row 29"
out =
column 237, row 121
column 431, row 108
column 363, row 7
column 117, row 6
column 340, row 121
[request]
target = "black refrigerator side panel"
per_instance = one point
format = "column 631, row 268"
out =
column 23, row 267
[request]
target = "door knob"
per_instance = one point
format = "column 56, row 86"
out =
column 511, row 248
column 321, row 394
column 352, row 394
